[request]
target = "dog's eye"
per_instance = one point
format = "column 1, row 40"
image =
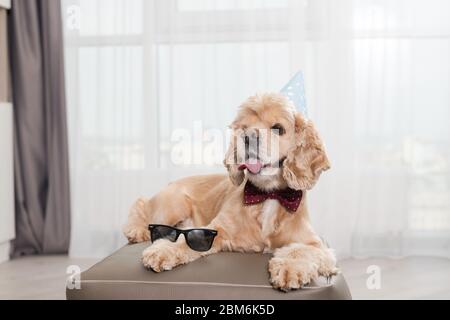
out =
column 278, row 129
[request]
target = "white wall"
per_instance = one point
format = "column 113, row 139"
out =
column 6, row 180
column 5, row 3
column 6, row 173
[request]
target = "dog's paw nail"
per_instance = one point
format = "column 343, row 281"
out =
column 329, row 273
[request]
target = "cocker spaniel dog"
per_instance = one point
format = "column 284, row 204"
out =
column 260, row 207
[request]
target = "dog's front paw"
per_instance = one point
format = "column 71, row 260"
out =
column 136, row 234
column 164, row 255
column 288, row 274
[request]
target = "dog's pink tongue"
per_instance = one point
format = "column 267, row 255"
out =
column 254, row 166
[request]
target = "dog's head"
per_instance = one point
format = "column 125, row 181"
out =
column 275, row 145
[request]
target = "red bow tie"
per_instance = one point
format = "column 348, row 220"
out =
column 288, row 198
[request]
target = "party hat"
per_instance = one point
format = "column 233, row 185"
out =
column 295, row 92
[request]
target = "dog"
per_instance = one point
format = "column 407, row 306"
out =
column 277, row 223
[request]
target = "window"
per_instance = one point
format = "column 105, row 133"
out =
column 377, row 76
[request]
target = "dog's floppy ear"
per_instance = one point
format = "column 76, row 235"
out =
column 232, row 163
column 308, row 159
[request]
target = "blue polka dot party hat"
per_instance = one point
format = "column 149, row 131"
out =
column 295, row 92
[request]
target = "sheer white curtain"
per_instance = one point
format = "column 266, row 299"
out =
column 378, row 81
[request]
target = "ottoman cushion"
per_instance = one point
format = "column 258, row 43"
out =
column 234, row 276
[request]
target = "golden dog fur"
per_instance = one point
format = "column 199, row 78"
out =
column 216, row 202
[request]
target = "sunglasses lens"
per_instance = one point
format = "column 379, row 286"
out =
column 162, row 232
column 200, row 240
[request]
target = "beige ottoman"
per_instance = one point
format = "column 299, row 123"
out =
column 224, row 276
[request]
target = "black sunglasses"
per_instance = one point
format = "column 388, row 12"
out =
column 196, row 239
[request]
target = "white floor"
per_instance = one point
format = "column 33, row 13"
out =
column 408, row 278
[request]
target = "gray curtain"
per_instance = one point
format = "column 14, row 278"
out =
column 41, row 151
